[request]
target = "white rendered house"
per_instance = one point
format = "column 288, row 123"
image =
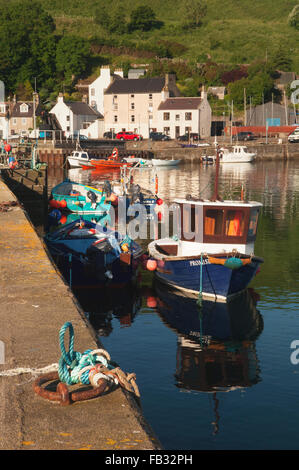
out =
column 97, row 88
column 74, row 116
column 132, row 104
column 183, row 115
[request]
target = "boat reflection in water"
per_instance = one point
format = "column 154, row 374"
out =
column 101, row 306
column 216, row 344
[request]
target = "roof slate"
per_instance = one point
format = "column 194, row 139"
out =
column 81, row 108
column 180, row 103
column 133, row 85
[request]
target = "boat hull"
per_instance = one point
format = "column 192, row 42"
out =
column 218, row 282
column 104, row 164
column 77, row 162
column 83, row 263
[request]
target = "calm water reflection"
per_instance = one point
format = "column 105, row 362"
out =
column 220, row 378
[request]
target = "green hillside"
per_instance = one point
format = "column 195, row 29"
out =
column 233, row 31
column 53, row 44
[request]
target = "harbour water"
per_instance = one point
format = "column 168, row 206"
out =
column 223, row 377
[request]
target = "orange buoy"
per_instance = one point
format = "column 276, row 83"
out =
column 159, row 201
column 151, row 265
column 63, row 203
column 151, row 302
column 63, row 219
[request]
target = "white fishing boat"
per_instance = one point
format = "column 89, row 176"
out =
column 151, row 162
column 161, row 162
column 238, row 154
column 78, row 158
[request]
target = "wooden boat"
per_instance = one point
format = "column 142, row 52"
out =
column 89, row 254
column 78, row 198
column 211, row 255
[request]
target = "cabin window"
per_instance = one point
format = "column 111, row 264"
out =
column 253, row 223
column 234, row 223
column 84, row 155
column 213, row 222
column 76, row 154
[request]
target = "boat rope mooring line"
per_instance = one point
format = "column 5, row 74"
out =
column 28, row 370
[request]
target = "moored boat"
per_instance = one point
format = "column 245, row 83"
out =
column 212, row 255
column 79, row 198
column 79, row 158
column 89, row 254
column 238, row 154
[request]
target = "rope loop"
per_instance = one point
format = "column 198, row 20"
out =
column 91, row 366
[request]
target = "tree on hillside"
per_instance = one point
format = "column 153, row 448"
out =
column 281, row 59
column 110, row 19
column 27, row 42
column 194, row 12
column 143, row 18
column 72, row 57
column 259, row 89
column 293, row 18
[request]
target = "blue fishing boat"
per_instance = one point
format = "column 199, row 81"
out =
column 79, row 198
column 212, row 253
column 89, row 254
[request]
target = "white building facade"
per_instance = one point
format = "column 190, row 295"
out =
column 132, row 104
column 97, row 88
column 182, row 115
column 74, row 116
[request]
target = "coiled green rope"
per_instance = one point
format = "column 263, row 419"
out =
column 74, row 367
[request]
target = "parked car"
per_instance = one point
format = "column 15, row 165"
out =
column 158, row 136
column 109, row 135
column 128, row 136
column 243, row 136
column 294, row 136
column 192, row 136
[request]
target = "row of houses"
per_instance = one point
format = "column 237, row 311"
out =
column 114, row 103
column 138, row 104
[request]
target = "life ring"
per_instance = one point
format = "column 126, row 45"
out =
column 114, row 155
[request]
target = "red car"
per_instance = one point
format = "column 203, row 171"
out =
column 128, row 136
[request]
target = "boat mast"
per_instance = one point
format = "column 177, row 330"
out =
column 216, row 195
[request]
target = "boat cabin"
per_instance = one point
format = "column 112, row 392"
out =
column 218, row 226
column 237, row 149
column 80, row 155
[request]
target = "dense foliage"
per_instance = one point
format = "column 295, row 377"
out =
column 53, row 44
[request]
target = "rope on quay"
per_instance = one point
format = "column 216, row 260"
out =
column 92, row 367
column 28, row 370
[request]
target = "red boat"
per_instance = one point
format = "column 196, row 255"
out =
column 113, row 161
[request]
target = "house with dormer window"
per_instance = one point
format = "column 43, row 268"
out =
column 21, row 115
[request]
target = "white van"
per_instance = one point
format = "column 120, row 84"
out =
column 294, row 136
